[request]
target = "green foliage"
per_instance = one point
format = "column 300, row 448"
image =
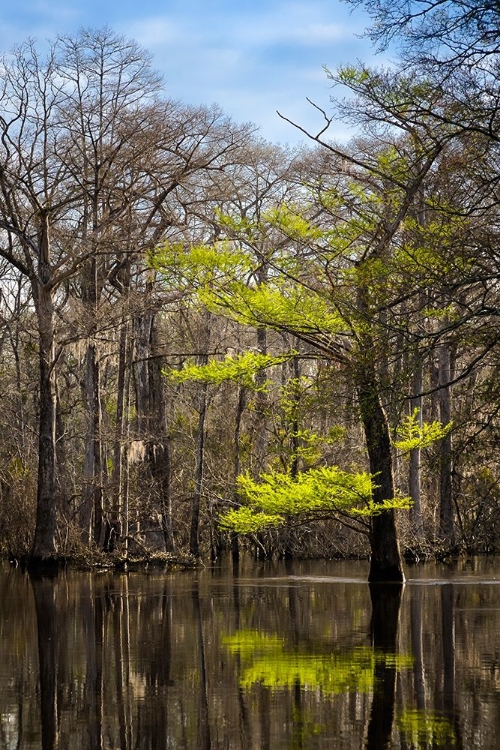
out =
column 292, row 443
column 266, row 661
column 245, row 520
column 194, row 267
column 17, row 469
column 352, row 75
column 278, row 304
column 413, row 435
column 293, row 223
column 240, row 369
column 223, row 278
column 325, row 490
column 308, row 450
column 237, row 225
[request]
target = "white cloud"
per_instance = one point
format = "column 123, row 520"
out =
column 306, row 23
column 155, row 31
column 251, row 57
column 55, row 11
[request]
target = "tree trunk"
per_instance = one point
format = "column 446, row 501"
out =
column 158, row 446
column 152, row 425
column 385, row 555
column 202, row 359
column 114, row 526
column 446, row 518
column 44, row 543
column 194, row 540
column 91, row 512
column 414, row 472
column 235, row 550
column 261, row 440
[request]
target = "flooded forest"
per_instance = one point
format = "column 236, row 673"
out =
column 241, row 381
column 211, row 342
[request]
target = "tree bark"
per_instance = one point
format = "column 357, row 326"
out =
column 194, row 540
column 385, row 565
column 91, row 513
column 44, row 543
column 414, row 471
column 235, row 549
column 116, row 513
column 446, row 516
column 152, row 425
column 158, row 447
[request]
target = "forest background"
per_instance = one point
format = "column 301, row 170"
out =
column 187, row 310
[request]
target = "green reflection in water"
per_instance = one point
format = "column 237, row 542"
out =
column 423, row 729
column 266, row 661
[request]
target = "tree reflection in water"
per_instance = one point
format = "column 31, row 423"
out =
column 268, row 661
column 226, row 661
column 45, row 589
column 386, row 603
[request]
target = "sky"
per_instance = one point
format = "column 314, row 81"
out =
column 251, row 57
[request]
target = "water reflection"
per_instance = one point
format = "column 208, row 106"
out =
column 265, row 657
column 45, row 592
column 386, row 602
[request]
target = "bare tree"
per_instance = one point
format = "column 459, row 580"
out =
column 93, row 165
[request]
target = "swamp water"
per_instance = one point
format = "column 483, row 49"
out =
column 302, row 656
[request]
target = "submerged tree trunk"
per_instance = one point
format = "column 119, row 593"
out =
column 204, row 737
column 386, row 562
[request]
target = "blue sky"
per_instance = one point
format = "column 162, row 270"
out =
column 250, row 57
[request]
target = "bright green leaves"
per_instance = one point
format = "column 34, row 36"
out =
column 413, row 434
column 196, row 267
column 276, row 304
column 316, row 489
column 241, row 369
column 352, row 75
column 429, row 255
column 294, row 224
column 247, row 520
column 278, row 498
column 226, row 278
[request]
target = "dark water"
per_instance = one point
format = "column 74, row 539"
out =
column 277, row 657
